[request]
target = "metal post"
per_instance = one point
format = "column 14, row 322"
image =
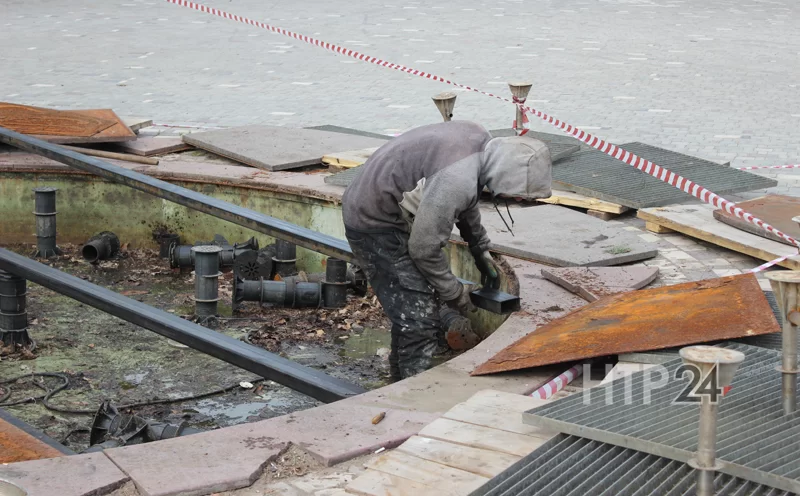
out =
column 785, row 286
column 334, row 288
column 45, row 212
column 445, row 102
column 519, row 93
column 285, row 258
column 306, row 380
column 13, row 313
column 206, row 280
column 705, row 360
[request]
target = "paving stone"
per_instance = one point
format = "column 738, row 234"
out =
column 78, row 475
column 592, row 283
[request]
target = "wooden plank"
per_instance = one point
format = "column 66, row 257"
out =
column 119, row 156
column 698, row 222
column 776, row 210
column 348, row 159
column 505, row 401
column 410, row 467
column 482, row 437
column 570, row 199
column 44, row 121
column 153, row 145
column 374, row 483
column 496, row 418
column 474, row 460
column 656, row 228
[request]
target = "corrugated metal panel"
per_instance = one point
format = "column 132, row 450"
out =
column 573, row 466
column 595, row 174
column 755, row 440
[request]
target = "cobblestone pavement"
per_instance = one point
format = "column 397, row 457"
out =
column 715, row 78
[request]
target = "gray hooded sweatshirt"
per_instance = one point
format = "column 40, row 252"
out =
column 430, row 178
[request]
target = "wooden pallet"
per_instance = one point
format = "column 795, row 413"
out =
column 458, row 453
column 597, row 208
column 698, row 222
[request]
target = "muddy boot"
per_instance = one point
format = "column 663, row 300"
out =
column 458, row 330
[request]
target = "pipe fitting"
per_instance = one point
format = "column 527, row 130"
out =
column 165, row 243
column 100, row 247
column 182, row 257
column 13, row 313
column 285, row 258
column 206, row 280
column 334, row 288
column 291, row 293
column 45, row 212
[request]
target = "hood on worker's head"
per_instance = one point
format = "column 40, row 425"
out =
column 517, row 166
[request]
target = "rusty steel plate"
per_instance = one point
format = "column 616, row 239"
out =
column 776, row 210
column 16, row 445
column 648, row 319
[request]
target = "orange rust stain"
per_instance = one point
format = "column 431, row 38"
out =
column 19, row 446
column 695, row 312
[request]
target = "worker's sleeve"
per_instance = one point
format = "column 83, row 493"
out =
column 471, row 230
column 447, row 195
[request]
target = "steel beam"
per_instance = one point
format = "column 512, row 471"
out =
column 301, row 236
column 268, row 365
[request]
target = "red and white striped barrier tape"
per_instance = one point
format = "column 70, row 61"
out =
column 557, row 384
column 629, row 158
column 768, row 167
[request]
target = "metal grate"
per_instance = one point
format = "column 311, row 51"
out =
column 755, row 440
column 573, row 466
column 558, row 151
column 595, row 174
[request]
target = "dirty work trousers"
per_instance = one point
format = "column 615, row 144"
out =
column 407, row 298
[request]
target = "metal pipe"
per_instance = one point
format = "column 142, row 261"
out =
column 334, row 288
column 285, row 258
column 13, row 313
column 100, row 247
column 182, row 257
column 519, row 92
column 206, row 280
column 165, row 243
column 301, row 236
column 287, row 293
column 706, row 447
column 789, row 353
column 45, row 212
column 306, row 380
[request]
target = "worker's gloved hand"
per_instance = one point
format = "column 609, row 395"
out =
column 488, row 268
column 461, row 303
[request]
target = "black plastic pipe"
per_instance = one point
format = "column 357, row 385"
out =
column 44, row 208
column 206, row 280
column 100, row 247
column 285, row 258
column 303, row 379
column 291, row 293
column 13, row 312
column 334, row 289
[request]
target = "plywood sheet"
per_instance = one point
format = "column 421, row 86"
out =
column 348, row 159
column 569, row 199
column 426, row 473
column 277, row 148
column 50, row 122
column 648, row 319
column 470, row 459
column 562, row 237
column 481, row 437
column 775, row 210
column 698, row 222
column 595, row 174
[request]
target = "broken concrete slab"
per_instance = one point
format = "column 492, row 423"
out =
column 592, row 283
column 562, row 237
column 277, row 148
column 78, row 475
column 152, row 145
column 136, row 123
column 775, row 210
column 649, row 319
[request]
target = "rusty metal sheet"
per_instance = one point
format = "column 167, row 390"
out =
column 776, row 210
column 65, row 126
column 19, row 446
column 648, row 319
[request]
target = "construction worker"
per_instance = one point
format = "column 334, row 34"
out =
column 400, row 211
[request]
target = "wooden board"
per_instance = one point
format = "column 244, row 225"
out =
column 496, row 418
column 349, row 159
column 114, row 134
column 374, row 483
column 136, row 123
column 474, row 460
column 647, row 319
column 152, row 145
column 569, row 199
column 40, row 121
column 406, row 466
column 481, row 437
column 698, row 222
column 776, row 210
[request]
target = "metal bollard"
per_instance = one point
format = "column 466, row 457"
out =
column 206, row 280
column 519, row 93
column 445, row 102
column 285, row 258
column 785, row 285
column 45, row 212
column 334, row 288
column 13, row 313
column 724, row 363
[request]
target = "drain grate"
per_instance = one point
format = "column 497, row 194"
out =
column 755, row 440
column 595, row 174
column 573, row 466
